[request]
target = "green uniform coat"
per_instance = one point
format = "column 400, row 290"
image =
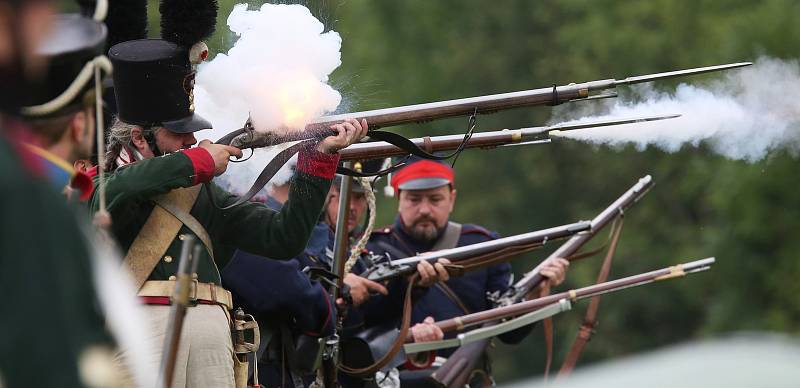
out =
column 50, row 313
column 251, row 226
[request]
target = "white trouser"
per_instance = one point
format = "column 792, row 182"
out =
column 205, row 353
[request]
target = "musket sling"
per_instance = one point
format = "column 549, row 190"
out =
column 160, row 229
column 590, row 319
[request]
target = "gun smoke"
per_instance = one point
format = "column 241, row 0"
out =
column 743, row 115
column 276, row 74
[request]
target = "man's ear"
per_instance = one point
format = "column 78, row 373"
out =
column 77, row 127
column 452, row 199
column 81, row 165
column 137, row 139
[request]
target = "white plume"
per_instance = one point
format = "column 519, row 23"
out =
column 276, row 73
column 744, row 115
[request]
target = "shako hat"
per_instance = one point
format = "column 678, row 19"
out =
column 154, row 78
column 154, row 85
column 74, row 48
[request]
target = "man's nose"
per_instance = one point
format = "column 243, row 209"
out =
column 189, row 139
column 424, row 207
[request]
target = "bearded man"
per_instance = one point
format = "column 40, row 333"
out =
column 426, row 197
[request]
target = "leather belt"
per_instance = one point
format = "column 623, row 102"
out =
column 199, row 292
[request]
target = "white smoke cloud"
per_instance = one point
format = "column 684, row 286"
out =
column 744, row 115
column 276, row 73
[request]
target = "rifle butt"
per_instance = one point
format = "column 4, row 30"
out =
column 459, row 368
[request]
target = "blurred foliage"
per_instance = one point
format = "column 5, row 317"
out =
column 747, row 215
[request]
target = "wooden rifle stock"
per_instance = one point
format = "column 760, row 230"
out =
column 517, row 309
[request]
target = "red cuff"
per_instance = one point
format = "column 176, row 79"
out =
column 318, row 164
column 203, row 164
column 84, row 184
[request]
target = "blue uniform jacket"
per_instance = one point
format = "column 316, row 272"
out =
column 372, row 311
column 472, row 288
column 272, row 289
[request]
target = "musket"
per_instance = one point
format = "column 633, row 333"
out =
column 476, row 255
column 248, row 137
column 486, row 139
column 456, row 370
column 330, row 354
column 532, row 279
column 529, row 306
column 180, row 302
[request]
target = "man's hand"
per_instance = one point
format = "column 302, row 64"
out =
column 555, row 270
column 349, row 132
column 220, row 153
column 426, row 331
column 360, row 288
column 429, row 274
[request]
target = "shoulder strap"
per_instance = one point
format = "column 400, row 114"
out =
column 157, row 234
column 181, row 211
column 452, row 234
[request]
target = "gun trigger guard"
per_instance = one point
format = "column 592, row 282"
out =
column 234, row 160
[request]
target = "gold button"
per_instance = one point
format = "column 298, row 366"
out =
column 173, row 277
column 181, row 237
column 168, row 258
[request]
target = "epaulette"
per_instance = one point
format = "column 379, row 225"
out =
column 475, row 229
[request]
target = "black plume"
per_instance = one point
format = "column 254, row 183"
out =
column 186, row 22
column 126, row 20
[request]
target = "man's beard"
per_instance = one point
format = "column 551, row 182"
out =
column 425, row 234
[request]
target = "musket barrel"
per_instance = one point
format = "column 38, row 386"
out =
column 488, row 139
column 569, row 248
column 375, row 150
column 500, row 248
column 387, row 117
column 520, row 308
column 493, row 245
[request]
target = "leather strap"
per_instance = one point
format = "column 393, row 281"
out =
column 453, row 297
column 182, row 214
column 279, row 160
column 590, row 319
column 157, row 234
column 266, row 175
column 198, row 291
column 397, row 345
